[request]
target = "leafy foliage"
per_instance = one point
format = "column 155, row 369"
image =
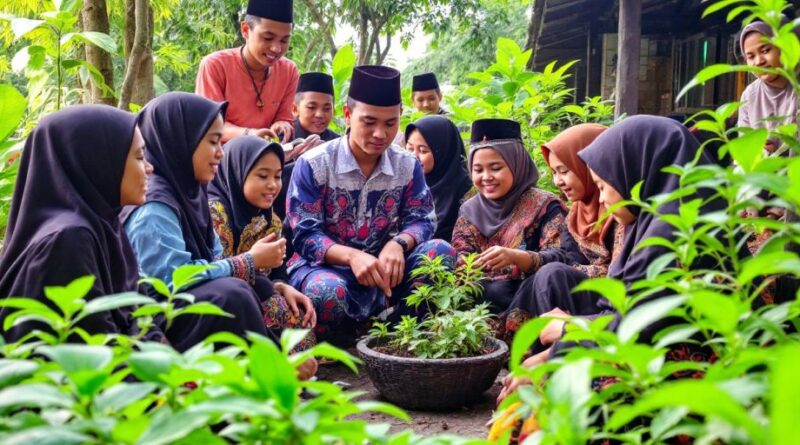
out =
column 455, row 326
column 635, row 393
column 123, row 390
column 539, row 101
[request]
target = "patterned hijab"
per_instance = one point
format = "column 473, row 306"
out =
column 489, row 215
column 449, row 180
column 241, row 154
column 173, row 125
column 584, row 214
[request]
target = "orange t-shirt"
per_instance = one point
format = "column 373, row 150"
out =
column 222, row 76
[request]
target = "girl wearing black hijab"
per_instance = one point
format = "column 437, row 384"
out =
column 182, row 132
column 79, row 167
column 437, row 144
column 241, row 197
column 635, row 150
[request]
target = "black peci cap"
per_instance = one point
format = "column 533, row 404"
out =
column 315, row 82
column 492, row 129
column 278, row 10
column 375, row 85
column 424, row 82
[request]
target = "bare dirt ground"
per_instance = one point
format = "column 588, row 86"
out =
column 469, row 421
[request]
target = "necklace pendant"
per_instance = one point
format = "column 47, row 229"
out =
column 259, row 104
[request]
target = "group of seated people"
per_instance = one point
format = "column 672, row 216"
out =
column 118, row 196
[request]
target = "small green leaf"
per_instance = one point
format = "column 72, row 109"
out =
column 116, row 301
column 291, row 337
column 46, row 435
column 612, row 290
column 385, row 408
column 524, row 339
column 99, row 39
column 22, row 26
column 747, row 149
column 151, row 366
column 785, row 396
column 33, row 395
column 69, row 298
column 186, row 275
column 158, row 285
column 343, row 63
column 12, row 109
column 325, row 350
column 769, row 263
column 73, row 357
column 168, row 427
column 15, row 371
column 203, row 308
column 121, row 395
column 646, row 314
column 272, row 372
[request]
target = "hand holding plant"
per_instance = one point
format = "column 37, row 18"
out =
column 268, row 252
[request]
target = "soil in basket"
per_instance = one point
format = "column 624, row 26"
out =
column 397, row 352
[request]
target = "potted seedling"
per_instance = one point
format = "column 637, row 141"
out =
column 445, row 359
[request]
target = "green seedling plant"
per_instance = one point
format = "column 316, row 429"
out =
column 455, row 326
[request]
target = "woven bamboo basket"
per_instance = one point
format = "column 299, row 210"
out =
column 432, row 384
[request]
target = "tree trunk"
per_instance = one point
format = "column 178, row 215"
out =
column 144, row 88
column 629, row 42
column 383, row 54
column 138, row 44
column 95, row 18
column 534, row 29
column 363, row 34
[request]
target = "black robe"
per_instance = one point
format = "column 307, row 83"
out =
column 63, row 221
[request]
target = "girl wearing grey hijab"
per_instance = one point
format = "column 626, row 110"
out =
column 770, row 101
column 514, row 227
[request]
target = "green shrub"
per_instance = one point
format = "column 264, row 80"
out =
column 745, row 395
column 116, row 389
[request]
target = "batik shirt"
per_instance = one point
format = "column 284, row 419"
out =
column 332, row 202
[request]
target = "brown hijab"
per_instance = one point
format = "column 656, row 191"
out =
column 584, row 214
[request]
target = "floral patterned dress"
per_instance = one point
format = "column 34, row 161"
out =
column 537, row 225
column 277, row 314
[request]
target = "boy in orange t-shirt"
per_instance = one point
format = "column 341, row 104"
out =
column 256, row 80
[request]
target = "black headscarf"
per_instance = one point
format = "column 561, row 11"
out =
column 638, row 149
column 241, row 154
column 173, row 125
column 449, row 180
column 68, row 195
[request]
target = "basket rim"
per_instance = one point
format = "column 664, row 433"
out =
column 363, row 348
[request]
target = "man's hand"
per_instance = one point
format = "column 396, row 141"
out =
column 263, row 133
column 393, row 261
column 283, row 127
column 369, row 272
column 310, row 142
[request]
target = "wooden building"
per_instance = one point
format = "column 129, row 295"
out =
column 674, row 43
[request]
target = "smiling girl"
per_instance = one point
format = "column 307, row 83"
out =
column 514, row 227
column 241, row 198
